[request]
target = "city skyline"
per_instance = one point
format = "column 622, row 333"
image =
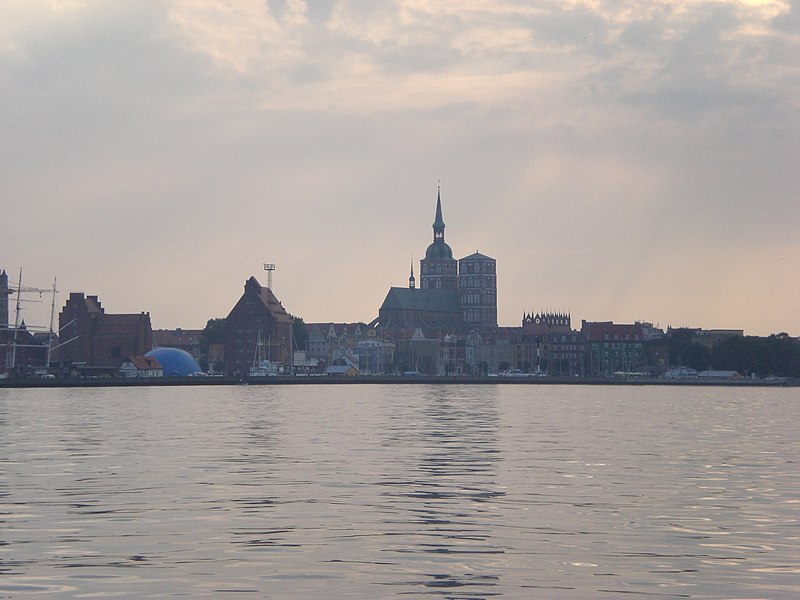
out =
column 620, row 161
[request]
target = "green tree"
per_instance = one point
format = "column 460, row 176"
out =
column 777, row 355
column 684, row 351
column 299, row 333
column 214, row 333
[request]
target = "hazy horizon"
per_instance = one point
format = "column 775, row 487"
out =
column 620, row 160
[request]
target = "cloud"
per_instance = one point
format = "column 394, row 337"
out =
column 599, row 150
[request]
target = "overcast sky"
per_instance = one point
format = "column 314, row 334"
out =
column 622, row 160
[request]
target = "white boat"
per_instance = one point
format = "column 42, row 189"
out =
column 264, row 367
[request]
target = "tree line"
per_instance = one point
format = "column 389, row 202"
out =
column 777, row 355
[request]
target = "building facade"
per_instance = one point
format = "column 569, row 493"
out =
column 454, row 296
column 613, row 348
column 477, row 288
column 258, row 328
column 90, row 337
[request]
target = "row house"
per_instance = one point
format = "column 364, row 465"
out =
column 329, row 342
column 613, row 348
column 546, row 344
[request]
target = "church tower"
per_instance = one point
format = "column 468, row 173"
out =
column 477, row 287
column 438, row 270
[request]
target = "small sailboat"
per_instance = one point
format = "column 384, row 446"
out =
column 264, row 367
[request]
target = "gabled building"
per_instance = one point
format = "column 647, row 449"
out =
column 326, row 341
column 91, row 337
column 258, row 328
column 141, row 366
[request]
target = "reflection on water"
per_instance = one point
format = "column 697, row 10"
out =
column 440, row 494
column 381, row 491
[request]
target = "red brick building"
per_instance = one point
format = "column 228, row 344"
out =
column 91, row 337
column 257, row 325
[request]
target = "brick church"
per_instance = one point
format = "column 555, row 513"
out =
column 454, row 296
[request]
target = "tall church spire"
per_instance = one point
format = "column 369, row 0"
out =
column 412, row 283
column 438, row 269
column 438, row 223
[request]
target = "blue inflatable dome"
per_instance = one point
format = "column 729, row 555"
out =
column 176, row 362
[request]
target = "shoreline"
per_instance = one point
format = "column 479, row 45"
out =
column 386, row 380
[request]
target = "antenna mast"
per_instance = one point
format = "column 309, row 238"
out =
column 269, row 268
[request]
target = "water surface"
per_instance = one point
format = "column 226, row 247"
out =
column 400, row 491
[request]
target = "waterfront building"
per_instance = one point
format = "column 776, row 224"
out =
column 613, row 348
column 477, row 287
column 258, row 328
column 454, row 299
column 100, row 341
column 546, row 344
column 141, row 366
column 454, row 296
column 327, row 341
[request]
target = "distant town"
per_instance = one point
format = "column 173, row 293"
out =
column 444, row 323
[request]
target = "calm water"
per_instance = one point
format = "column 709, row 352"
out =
column 404, row 491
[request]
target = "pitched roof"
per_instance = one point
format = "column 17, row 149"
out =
column 428, row 300
column 145, row 363
column 477, row 256
column 339, row 328
column 429, row 309
column 268, row 300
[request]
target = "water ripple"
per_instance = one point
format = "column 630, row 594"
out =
column 376, row 491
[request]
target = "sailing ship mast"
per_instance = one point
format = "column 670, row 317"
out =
column 19, row 290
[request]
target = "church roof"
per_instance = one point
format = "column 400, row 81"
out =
column 438, row 223
column 428, row 300
column 477, row 256
column 430, row 309
column 438, row 250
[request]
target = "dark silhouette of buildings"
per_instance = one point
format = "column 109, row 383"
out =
column 92, row 338
column 257, row 328
column 454, row 296
column 22, row 351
